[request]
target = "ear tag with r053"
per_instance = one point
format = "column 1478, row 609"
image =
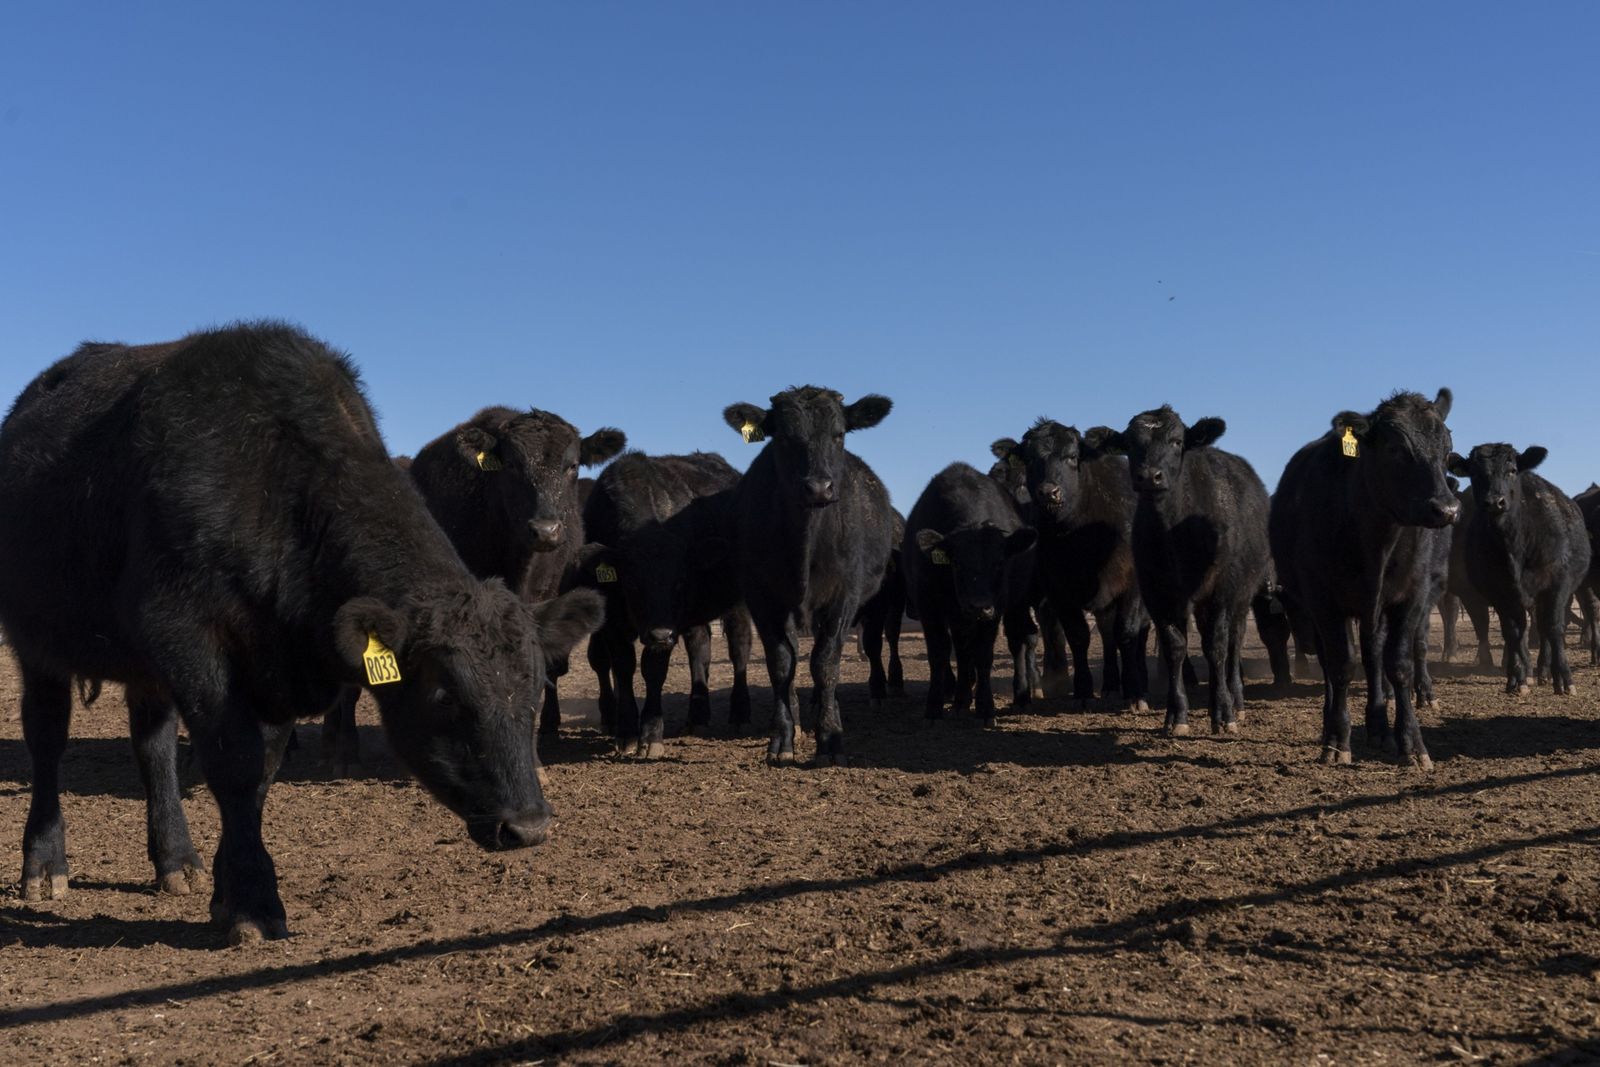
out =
column 605, row 574
column 1348, row 443
column 940, row 557
column 382, row 667
column 488, row 461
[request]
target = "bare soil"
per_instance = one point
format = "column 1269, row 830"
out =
column 1069, row 887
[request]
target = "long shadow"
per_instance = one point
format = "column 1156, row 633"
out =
column 1115, row 935
column 1530, row 732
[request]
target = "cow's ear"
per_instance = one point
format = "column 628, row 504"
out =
column 1203, row 433
column 567, row 619
column 601, row 446
column 1353, row 421
column 748, row 420
column 480, row 447
column 866, row 412
column 360, row 619
column 1442, row 403
column 1003, row 447
column 1457, row 465
column 928, row 540
column 709, row 552
column 1020, row 540
column 1103, row 441
column 1531, row 457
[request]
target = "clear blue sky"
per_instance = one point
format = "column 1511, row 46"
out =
column 635, row 214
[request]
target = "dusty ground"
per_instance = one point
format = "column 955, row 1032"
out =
column 1070, row 887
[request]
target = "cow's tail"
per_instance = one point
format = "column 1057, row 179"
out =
column 88, row 690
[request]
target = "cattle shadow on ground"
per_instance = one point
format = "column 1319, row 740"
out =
column 1529, row 732
column 38, row 927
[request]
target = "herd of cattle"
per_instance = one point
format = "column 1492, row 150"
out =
column 215, row 524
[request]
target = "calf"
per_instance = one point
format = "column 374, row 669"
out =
column 1526, row 546
column 1354, row 526
column 1199, row 546
column 1083, row 503
column 961, row 538
column 660, row 552
column 503, row 485
column 813, row 525
column 216, row 524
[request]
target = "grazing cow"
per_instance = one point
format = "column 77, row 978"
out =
column 1354, row 527
column 880, row 619
column 503, row 485
column 1083, row 503
column 216, row 524
column 1588, row 502
column 1199, row 547
column 961, row 539
column 660, row 552
column 1526, row 547
column 813, row 525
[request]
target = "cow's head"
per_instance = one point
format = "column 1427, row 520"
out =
column 1402, row 448
column 973, row 560
column 1009, row 471
column 1051, row 457
column 1493, row 469
column 652, row 574
column 806, row 427
column 471, row 665
column 1154, row 443
column 530, row 462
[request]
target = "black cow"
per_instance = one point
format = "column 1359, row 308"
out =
column 1526, row 546
column 1354, row 529
column 961, row 539
column 503, row 485
column 1083, row 503
column 1031, row 677
column 1275, row 627
column 1460, row 594
column 216, row 524
column 660, row 550
column 1588, row 502
column 881, row 618
column 1199, row 546
column 812, row 525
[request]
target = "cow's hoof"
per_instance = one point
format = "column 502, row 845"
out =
column 182, row 882
column 540, row 773
column 832, row 759
column 52, row 888
column 991, row 722
column 1518, row 690
column 1231, row 729
column 1178, row 729
column 1136, row 707
column 1419, row 761
column 654, row 750
column 780, row 759
column 255, row 931
column 628, row 747
column 1334, row 757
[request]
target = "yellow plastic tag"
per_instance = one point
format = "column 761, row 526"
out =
column 382, row 667
column 940, row 557
column 751, row 433
column 605, row 574
column 1348, row 443
column 487, row 461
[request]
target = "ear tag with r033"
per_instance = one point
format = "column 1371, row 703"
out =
column 382, row 667
column 1348, row 443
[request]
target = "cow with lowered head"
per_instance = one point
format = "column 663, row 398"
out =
column 962, row 537
column 660, row 551
column 1083, row 503
column 812, row 528
column 1525, row 547
column 1199, row 546
column 504, row 486
column 1355, row 526
column 215, row 524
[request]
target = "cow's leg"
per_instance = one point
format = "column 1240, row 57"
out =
column 829, row 624
column 1449, row 608
column 1236, row 660
column 1333, row 649
column 893, row 617
column 1020, row 635
column 239, row 758
column 1106, row 622
column 1173, row 639
column 653, row 665
column 1552, row 611
column 1589, row 634
column 1399, row 656
column 982, row 655
column 872, row 622
column 550, row 716
column 961, row 640
column 1373, row 636
column 1131, row 635
column 736, row 631
column 624, row 660
column 599, row 655
column 1215, row 640
column 46, row 718
column 1478, row 614
column 697, row 647
column 153, row 728
column 779, row 642
column 1076, row 627
column 1514, row 631
column 1053, row 633
column 1422, row 678
column 937, row 637
column 341, row 741
column 1272, row 626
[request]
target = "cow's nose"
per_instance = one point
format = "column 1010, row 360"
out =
column 1156, row 477
column 1497, row 503
column 820, row 490
column 1051, row 493
column 660, row 635
column 546, row 532
column 1445, row 514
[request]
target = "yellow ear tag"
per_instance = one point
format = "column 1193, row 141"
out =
column 940, row 557
column 1348, row 443
column 751, row 433
column 488, row 462
column 605, row 574
column 382, row 667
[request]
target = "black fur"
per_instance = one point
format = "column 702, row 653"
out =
column 216, row 524
column 812, row 531
column 1357, row 538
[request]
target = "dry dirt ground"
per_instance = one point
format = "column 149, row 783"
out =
column 1070, row 887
